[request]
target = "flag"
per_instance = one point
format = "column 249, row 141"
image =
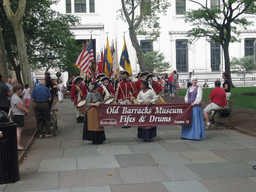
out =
column 99, row 66
column 84, row 60
column 125, row 61
column 108, row 60
column 115, row 62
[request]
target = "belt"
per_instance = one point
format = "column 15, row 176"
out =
column 42, row 102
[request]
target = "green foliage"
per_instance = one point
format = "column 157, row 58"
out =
column 243, row 66
column 46, row 31
column 155, row 62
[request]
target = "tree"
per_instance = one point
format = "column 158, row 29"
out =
column 147, row 19
column 219, row 23
column 243, row 66
column 46, row 31
column 3, row 65
column 16, row 21
column 155, row 62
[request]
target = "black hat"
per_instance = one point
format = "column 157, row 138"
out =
column 93, row 85
column 76, row 78
column 144, row 74
column 138, row 75
column 124, row 74
column 149, row 75
column 103, row 78
column 100, row 75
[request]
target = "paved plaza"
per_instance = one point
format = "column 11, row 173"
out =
column 222, row 162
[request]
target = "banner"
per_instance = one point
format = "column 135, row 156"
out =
column 141, row 115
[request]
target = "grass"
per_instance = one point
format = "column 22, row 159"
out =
column 241, row 101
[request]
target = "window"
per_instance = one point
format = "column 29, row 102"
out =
column 182, row 55
column 215, row 56
column 146, row 46
column 68, row 6
column 180, row 7
column 249, row 47
column 92, row 6
column 80, row 6
column 215, row 4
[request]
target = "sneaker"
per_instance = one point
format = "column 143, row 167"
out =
column 207, row 126
column 47, row 135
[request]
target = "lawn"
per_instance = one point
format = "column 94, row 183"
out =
column 241, row 101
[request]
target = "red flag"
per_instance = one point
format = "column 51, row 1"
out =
column 99, row 66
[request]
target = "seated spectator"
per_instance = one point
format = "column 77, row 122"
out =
column 217, row 102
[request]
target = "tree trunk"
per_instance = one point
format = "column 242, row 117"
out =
column 16, row 21
column 3, row 65
column 136, row 45
column 227, row 61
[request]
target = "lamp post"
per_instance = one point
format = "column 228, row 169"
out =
column 49, row 60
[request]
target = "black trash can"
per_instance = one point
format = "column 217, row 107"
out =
column 9, row 165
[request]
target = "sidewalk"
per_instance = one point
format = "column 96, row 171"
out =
column 221, row 162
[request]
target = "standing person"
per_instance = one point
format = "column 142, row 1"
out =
column 124, row 89
column 19, row 111
column 36, row 83
column 93, row 99
column 49, row 84
column 194, row 96
column 141, row 77
column 161, row 83
column 226, row 85
column 70, row 83
column 9, row 83
column 175, row 84
column 170, row 78
column 106, row 90
column 41, row 96
column 4, row 94
column 60, row 88
column 147, row 97
column 153, row 84
column 217, row 102
column 27, row 97
column 78, row 93
column 189, row 80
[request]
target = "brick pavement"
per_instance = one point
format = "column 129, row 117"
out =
column 221, row 162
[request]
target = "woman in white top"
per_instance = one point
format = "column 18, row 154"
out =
column 19, row 111
column 148, row 97
column 196, row 129
column 60, row 88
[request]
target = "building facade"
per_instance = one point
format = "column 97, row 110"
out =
column 100, row 19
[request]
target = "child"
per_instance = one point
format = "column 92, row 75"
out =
column 26, row 92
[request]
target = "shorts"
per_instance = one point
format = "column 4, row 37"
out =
column 212, row 106
column 19, row 120
column 27, row 103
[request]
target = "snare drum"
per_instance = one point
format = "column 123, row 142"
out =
column 110, row 100
column 81, row 106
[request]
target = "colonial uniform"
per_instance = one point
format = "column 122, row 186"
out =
column 78, row 93
column 106, row 87
column 154, row 85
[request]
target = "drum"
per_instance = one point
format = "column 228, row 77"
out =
column 81, row 106
column 110, row 100
column 160, row 101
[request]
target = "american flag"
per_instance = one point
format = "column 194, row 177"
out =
column 84, row 60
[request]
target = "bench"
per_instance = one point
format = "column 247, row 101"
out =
column 224, row 116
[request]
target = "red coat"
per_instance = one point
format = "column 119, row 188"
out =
column 156, row 87
column 135, row 89
column 138, row 83
column 124, row 91
column 110, row 89
column 74, row 92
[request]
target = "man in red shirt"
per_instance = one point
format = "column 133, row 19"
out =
column 170, row 83
column 217, row 102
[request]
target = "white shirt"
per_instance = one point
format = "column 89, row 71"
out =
column 26, row 93
column 199, row 95
column 149, row 96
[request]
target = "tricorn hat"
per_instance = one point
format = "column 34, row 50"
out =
column 143, row 74
column 138, row 75
column 124, row 74
column 100, row 75
column 149, row 75
column 76, row 78
column 103, row 78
